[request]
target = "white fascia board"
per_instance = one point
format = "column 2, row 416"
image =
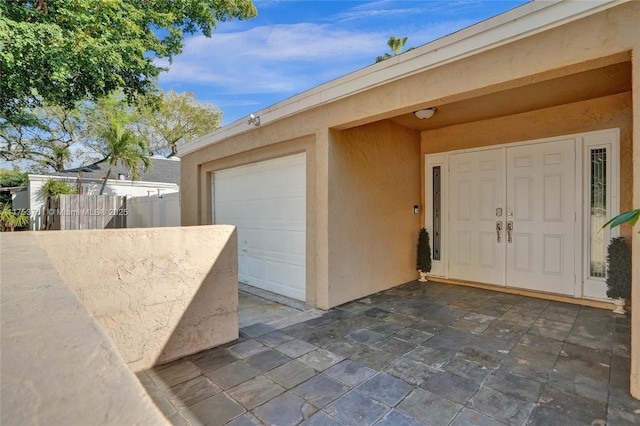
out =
column 523, row 21
column 138, row 183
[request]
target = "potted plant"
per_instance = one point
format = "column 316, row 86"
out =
column 423, row 264
column 619, row 273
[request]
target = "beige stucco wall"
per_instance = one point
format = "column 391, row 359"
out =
column 374, row 183
column 159, row 294
column 58, row 365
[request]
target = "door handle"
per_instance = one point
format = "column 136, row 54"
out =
column 510, row 231
column 499, row 230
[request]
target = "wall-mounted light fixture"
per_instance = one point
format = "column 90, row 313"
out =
column 423, row 114
column 253, row 119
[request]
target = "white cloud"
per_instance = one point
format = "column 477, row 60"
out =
column 279, row 58
column 249, row 66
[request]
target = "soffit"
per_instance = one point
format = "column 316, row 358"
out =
column 595, row 83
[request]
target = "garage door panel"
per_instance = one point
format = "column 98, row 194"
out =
column 297, row 246
column 267, row 203
column 253, row 239
column 296, row 212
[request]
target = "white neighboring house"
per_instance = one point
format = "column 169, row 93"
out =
column 155, row 197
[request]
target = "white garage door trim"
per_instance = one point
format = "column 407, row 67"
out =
column 266, row 201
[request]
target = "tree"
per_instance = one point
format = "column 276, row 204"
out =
column 61, row 52
column 45, row 138
column 179, row 119
column 54, row 138
column 396, row 45
column 10, row 178
column 124, row 147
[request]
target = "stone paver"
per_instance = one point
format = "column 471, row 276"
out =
column 320, row 359
column 416, row 354
column 217, row 410
column 212, row 359
column 429, row 408
column 320, row 390
column 450, row 386
column 350, row 373
column 501, row 406
column 396, row 418
column 191, row 392
column 174, row 374
column 295, row 348
column 355, row 409
column 233, row 374
column 286, row 409
column 385, row 389
column 255, row 392
column 291, row 374
column 267, row 360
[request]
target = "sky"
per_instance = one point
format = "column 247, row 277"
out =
column 294, row 45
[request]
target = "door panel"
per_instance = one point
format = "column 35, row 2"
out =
column 477, row 190
column 534, row 185
column 540, row 204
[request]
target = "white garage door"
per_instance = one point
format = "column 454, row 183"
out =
column 266, row 201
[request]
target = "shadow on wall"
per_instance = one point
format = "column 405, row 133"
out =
column 159, row 294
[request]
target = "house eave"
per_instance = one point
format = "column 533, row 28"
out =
column 518, row 23
column 129, row 182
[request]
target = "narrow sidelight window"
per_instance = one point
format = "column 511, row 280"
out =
column 598, row 212
column 437, row 217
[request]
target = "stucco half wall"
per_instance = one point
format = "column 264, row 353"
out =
column 159, row 294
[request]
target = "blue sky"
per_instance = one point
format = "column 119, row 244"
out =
column 296, row 45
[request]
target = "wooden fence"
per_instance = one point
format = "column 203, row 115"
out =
column 63, row 212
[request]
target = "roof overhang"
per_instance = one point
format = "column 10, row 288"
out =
column 524, row 21
column 114, row 182
column 13, row 189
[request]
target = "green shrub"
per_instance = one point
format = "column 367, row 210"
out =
column 10, row 220
column 423, row 262
column 55, row 187
column 618, row 269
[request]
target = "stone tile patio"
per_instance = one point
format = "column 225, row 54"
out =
column 417, row 354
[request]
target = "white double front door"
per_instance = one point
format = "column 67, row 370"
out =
column 512, row 216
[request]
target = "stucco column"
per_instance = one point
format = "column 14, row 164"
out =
column 189, row 199
column 635, row 273
column 322, row 218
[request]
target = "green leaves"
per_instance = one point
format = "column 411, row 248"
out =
column 52, row 138
column 630, row 217
column 52, row 187
column 124, row 147
column 396, row 45
column 61, row 52
column 10, row 219
column 179, row 119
